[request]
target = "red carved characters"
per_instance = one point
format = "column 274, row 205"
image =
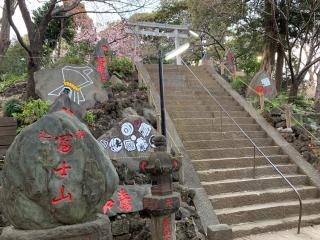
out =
column 100, row 68
column 166, row 228
column 62, row 140
column 63, row 169
column 64, row 147
column 107, row 206
column 125, row 201
column 62, row 197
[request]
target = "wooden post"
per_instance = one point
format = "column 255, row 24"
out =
column 158, row 121
column 261, row 96
column 288, row 116
column 222, row 68
column 177, row 44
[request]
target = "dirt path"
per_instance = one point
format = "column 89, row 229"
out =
column 308, row 233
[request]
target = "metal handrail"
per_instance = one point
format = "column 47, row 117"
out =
column 254, row 145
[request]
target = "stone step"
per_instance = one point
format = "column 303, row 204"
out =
column 198, row 107
column 274, row 210
column 216, row 120
column 200, row 112
column 248, row 172
column 179, row 95
column 231, row 152
column 230, row 143
column 187, row 136
column 196, row 102
column 264, row 226
column 250, row 184
column 218, row 127
column 223, row 163
column 238, row 199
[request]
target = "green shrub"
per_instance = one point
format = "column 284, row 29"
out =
column 32, row 110
column 120, row 66
column 276, row 102
column 71, row 59
column 118, row 87
column 90, row 118
column 143, row 87
column 12, row 106
column 10, row 79
column 240, row 84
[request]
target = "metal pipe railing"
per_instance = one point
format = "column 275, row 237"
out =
column 256, row 148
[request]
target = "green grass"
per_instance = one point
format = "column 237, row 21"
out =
column 10, row 79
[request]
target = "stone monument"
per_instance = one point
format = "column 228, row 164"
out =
column 262, row 83
column 81, row 81
column 103, row 55
column 56, row 179
column 130, row 141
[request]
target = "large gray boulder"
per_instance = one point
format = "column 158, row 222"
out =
column 129, row 142
column 262, row 83
column 82, row 82
column 55, row 173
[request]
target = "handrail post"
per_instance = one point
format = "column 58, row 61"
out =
column 221, row 121
column 254, row 161
column 158, row 121
column 181, row 170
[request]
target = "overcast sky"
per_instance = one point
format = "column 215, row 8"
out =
column 100, row 20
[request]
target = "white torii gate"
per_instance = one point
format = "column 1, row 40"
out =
column 153, row 29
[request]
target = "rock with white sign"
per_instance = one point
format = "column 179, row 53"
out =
column 126, row 199
column 129, row 141
column 262, row 84
column 81, row 82
column 56, row 173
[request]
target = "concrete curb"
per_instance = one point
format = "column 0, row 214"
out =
column 192, row 181
column 293, row 154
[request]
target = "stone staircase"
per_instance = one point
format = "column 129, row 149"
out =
column 223, row 157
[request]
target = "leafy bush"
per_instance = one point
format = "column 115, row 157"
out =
column 240, row 84
column 143, row 87
column 10, row 79
column 120, row 66
column 12, row 106
column 276, row 102
column 32, row 110
column 119, row 87
column 70, row 59
column 90, row 118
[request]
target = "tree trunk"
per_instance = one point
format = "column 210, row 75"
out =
column 293, row 91
column 317, row 95
column 33, row 66
column 5, row 28
column 270, row 45
column 279, row 68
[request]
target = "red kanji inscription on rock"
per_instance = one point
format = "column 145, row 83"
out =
column 107, row 206
column 125, row 201
column 62, row 170
column 62, row 140
column 63, row 143
column 62, row 197
column 100, row 67
column 166, row 228
column 67, row 110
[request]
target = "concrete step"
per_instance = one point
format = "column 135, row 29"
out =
column 201, row 112
column 223, row 163
column 230, row 143
column 247, row 228
column 179, row 95
column 274, row 210
column 216, row 120
column 187, row 136
column 238, row 199
column 247, row 172
column 231, row 152
column 199, row 107
column 250, row 184
column 217, row 128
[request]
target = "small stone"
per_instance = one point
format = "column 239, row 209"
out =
column 128, row 112
column 281, row 124
column 120, row 227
